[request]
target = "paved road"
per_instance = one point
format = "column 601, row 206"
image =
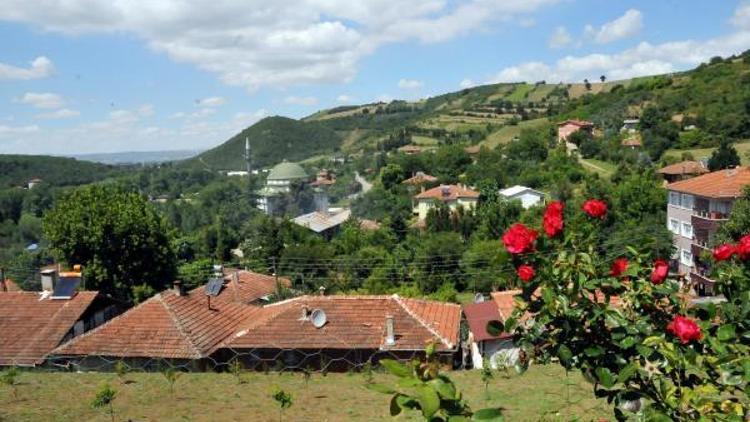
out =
column 366, row 186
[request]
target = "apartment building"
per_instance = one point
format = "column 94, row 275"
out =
column 696, row 209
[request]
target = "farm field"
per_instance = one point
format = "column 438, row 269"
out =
column 539, row 394
column 743, row 149
column 507, row 133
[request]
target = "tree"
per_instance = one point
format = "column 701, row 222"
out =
column 119, row 238
column 391, row 175
column 283, row 400
column 104, row 399
column 723, row 157
column 602, row 78
column 588, row 84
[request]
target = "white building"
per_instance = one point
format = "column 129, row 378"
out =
column 528, row 196
column 497, row 348
column 279, row 182
column 452, row 195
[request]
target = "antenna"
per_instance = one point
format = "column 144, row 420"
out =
column 318, row 318
column 478, row 298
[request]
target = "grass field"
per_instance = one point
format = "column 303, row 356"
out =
column 743, row 149
column 507, row 133
column 542, row 393
column 597, row 166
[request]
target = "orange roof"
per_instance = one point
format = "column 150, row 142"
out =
column 447, row 193
column 474, row 149
column 164, row 326
column 579, row 123
column 631, row 142
column 370, row 225
column 9, row 285
column 684, row 167
column 248, row 286
column 420, row 178
column 410, row 148
column 478, row 315
column 30, row 327
column 353, row 322
column 504, row 302
column 719, row 184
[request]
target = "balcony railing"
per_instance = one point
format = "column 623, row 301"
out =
column 710, row 215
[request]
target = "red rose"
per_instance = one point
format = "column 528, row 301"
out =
column 659, row 274
column 553, row 218
column 685, row 328
column 724, row 252
column 743, row 247
column 519, row 239
column 525, row 272
column 595, row 208
column 618, row 267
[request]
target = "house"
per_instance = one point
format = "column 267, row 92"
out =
column 473, row 149
column 326, row 224
column 237, row 173
column 495, row 347
column 453, row 196
column 632, row 142
column 33, row 324
column 33, row 183
column 341, row 332
column 696, row 208
column 182, row 327
column 369, row 225
column 529, row 197
column 279, row 182
column 629, row 126
column 569, row 127
column 410, row 149
column 683, row 170
column 420, row 178
column 324, row 178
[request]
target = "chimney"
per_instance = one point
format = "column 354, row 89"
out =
column 322, row 291
column 49, row 278
column 390, row 337
column 177, row 286
column 236, row 276
column 305, row 312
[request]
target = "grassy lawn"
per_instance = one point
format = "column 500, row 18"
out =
column 597, row 166
column 743, row 148
column 543, row 393
column 423, row 140
column 507, row 133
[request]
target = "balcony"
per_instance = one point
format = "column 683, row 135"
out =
column 702, row 284
column 707, row 221
column 710, row 215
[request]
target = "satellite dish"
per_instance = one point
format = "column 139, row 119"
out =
column 478, row 298
column 318, row 318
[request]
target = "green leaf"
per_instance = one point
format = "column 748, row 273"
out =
column 457, row 418
column 488, row 415
column 627, row 342
column 627, row 372
column 726, row 332
column 445, row 390
column 593, row 351
column 396, row 368
column 605, row 377
column 395, row 405
column 380, row 388
column 429, row 401
column 564, row 353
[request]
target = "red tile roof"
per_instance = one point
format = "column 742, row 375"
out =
column 719, row 184
column 30, row 327
column 579, row 123
column 369, row 225
column 420, row 178
column 353, row 322
column 478, row 315
column 165, row 326
column 8, row 285
column 504, row 302
column 474, row 149
column 684, row 167
column 447, row 193
column 248, row 286
column 631, row 142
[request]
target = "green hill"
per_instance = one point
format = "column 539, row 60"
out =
column 16, row 170
column 271, row 140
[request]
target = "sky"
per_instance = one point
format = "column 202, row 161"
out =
column 92, row 76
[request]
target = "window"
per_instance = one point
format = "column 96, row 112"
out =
column 674, row 199
column 687, row 230
column 686, row 258
column 687, row 201
column 674, row 226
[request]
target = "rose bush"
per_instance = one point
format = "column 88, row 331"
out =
column 632, row 331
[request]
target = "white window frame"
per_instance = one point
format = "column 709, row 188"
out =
column 674, row 225
column 685, row 232
column 674, row 198
column 687, row 201
column 683, row 260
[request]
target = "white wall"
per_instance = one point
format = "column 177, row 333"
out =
column 496, row 351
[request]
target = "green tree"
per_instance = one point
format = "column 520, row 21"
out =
column 724, row 157
column 391, row 175
column 105, row 398
column 119, row 238
column 283, row 399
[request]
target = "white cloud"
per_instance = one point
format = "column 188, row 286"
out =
column 410, row 84
column 63, row 113
column 145, row 110
column 41, row 100
column 17, row 130
column 41, row 67
column 644, row 59
column 467, row 83
column 211, row 101
column 741, row 17
column 345, row 99
column 301, row 101
column 626, row 26
column 272, row 43
column 526, row 23
column 560, row 38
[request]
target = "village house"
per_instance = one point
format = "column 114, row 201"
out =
column 632, row 142
column 454, row 196
column 326, row 224
column 420, row 178
column 497, row 348
column 529, row 197
column 696, row 208
column 629, row 126
column 410, row 149
column 340, row 332
column 569, row 127
column 683, row 170
column 182, row 327
column 33, row 324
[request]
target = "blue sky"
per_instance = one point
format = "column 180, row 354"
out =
column 84, row 76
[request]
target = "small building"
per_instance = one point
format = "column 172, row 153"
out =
column 683, row 170
column 453, row 196
column 410, row 149
column 632, row 142
column 473, row 149
column 495, row 347
column 33, row 183
column 326, row 224
column 569, row 127
column 629, row 126
column 420, row 178
column 238, row 173
column 529, row 197
column 338, row 333
column 369, row 225
column 33, row 324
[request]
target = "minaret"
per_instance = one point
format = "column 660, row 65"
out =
column 247, row 155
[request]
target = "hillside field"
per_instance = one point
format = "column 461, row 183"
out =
column 743, row 149
column 539, row 394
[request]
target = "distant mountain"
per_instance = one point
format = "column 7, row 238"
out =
column 272, row 140
column 17, row 170
column 139, row 157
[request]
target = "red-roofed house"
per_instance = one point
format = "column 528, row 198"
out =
column 354, row 330
column 682, row 170
column 496, row 347
column 569, row 127
column 453, row 196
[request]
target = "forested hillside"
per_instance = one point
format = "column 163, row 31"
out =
column 56, row 171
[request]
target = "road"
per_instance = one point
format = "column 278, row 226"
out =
column 366, row 186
